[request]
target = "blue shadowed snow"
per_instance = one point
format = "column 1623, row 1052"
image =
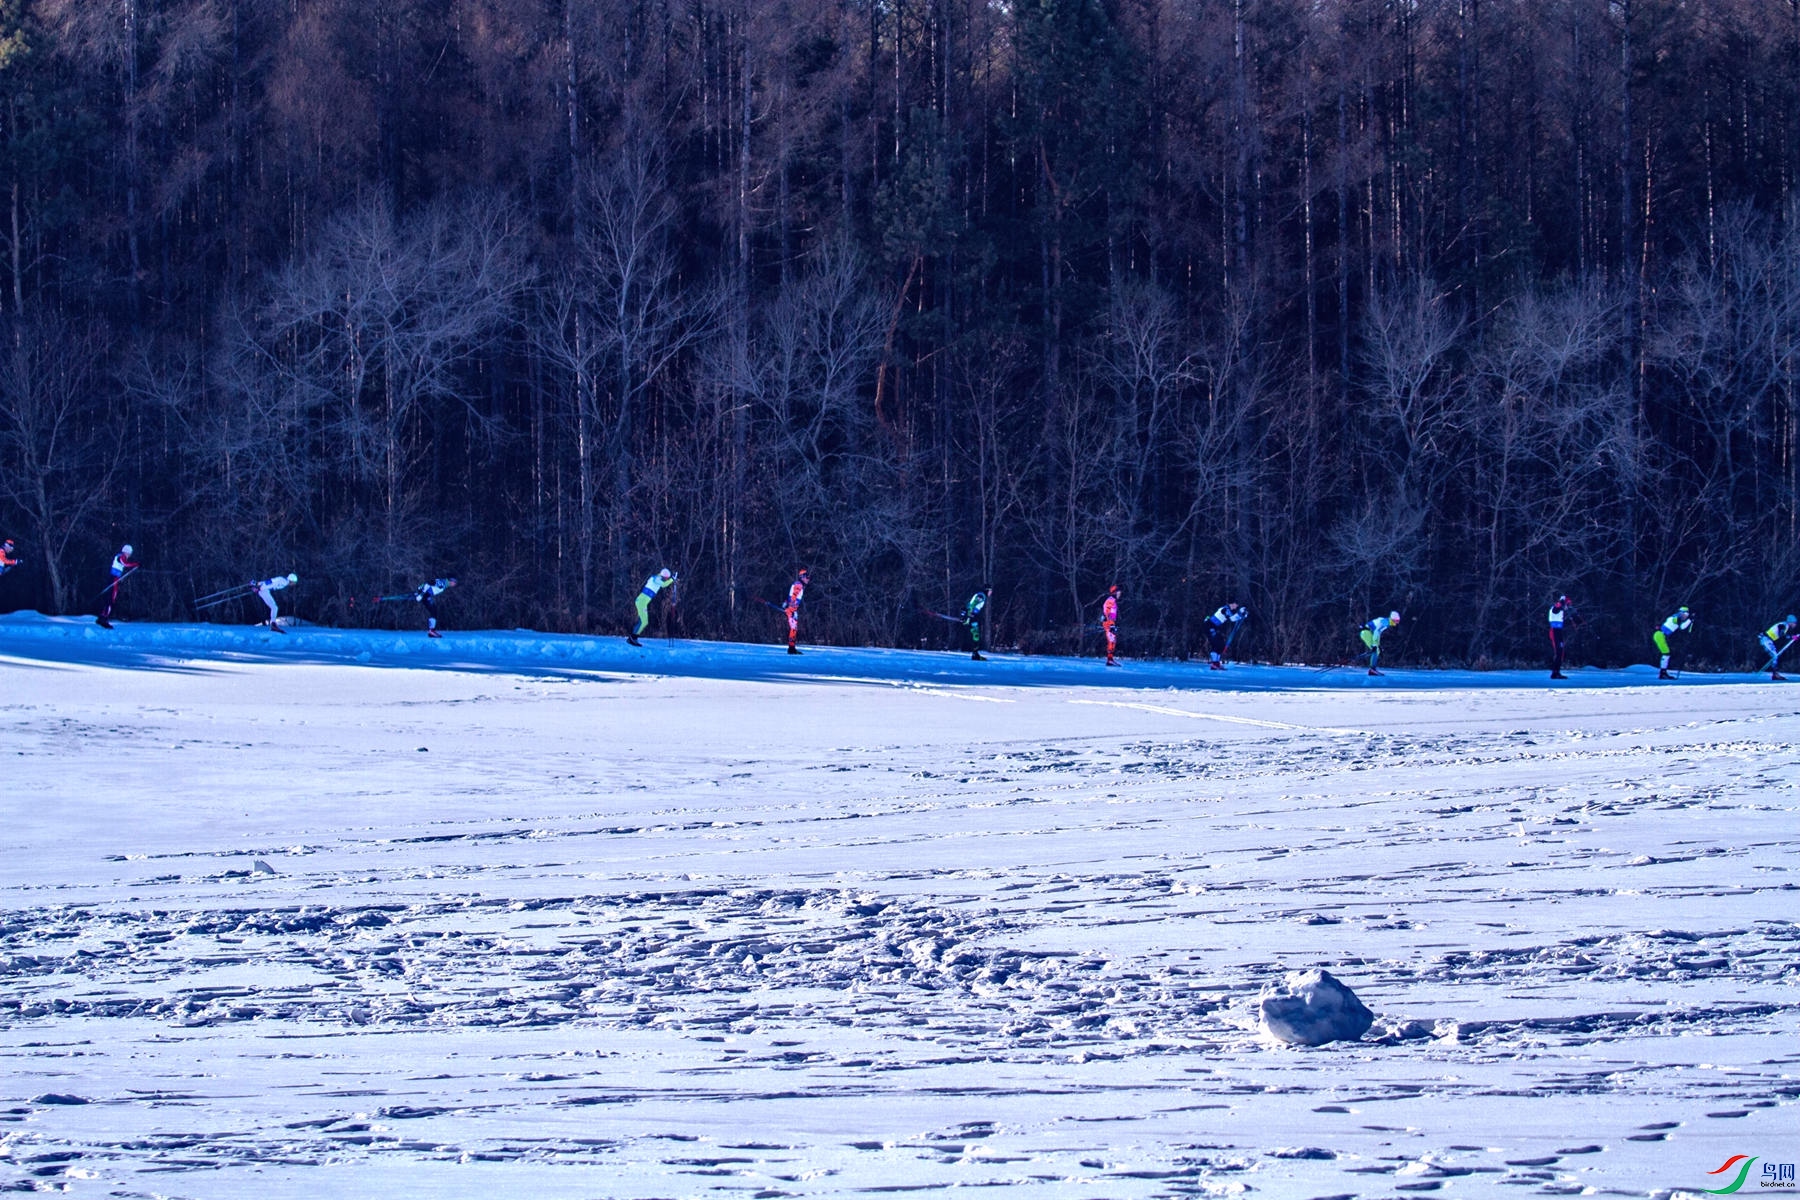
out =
column 32, row 636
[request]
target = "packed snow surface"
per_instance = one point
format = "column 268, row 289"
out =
column 346, row 913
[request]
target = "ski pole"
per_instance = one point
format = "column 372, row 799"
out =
column 115, row 583
column 1232, row 636
column 218, row 598
column 210, row 604
column 1776, row 657
column 236, row 587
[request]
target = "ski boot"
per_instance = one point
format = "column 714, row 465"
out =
column 1777, row 677
column 976, row 657
column 1112, row 662
column 793, row 649
column 432, row 633
column 1664, row 674
column 1216, row 665
column 1557, row 675
column 274, row 628
column 631, row 640
column 1373, row 671
column 103, row 622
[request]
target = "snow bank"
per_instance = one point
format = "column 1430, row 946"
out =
column 1313, row 1008
column 523, row 649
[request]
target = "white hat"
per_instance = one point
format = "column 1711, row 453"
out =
column 293, row 578
column 125, row 549
column 1394, row 617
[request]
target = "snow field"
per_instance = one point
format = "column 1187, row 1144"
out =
column 532, row 920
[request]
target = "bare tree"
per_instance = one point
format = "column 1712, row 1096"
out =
column 830, row 476
column 1550, row 436
column 378, row 323
column 614, row 322
column 61, row 439
column 989, row 442
column 1405, row 440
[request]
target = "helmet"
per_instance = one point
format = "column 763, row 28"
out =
column 1562, row 599
column 7, row 544
column 803, row 573
column 1683, row 608
column 664, row 574
column 125, row 549
column 1114, row 589
column 1793, row 620
column 1394, row 617
column 293, row 578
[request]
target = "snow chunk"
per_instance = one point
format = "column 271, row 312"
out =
column 1313, row 1008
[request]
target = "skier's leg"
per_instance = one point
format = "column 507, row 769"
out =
column 643, row 611
column 430, row 614
column 1662, row 647
column 1112, row 642
column 268, row 598
column 1768, row 644
column 1215, row 638
column 793, row 618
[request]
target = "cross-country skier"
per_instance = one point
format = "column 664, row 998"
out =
column 265, row 591
column 7, row 561
column 121, row 567
column 796, row 593
column 1559, row 648
column 1109, row 624
column 427, row 594
column 656, row 583
column 1371, row 637
column 974, row 618
column 1679, row 621
column 1776, row 639
column 1219, row 630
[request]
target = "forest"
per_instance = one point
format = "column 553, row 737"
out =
column 1324, row 306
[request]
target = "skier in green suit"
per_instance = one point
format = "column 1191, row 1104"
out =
column 664, row 578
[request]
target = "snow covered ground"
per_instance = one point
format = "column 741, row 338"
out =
column 348, row 914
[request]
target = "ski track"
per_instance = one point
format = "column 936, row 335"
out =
column 640, row 936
